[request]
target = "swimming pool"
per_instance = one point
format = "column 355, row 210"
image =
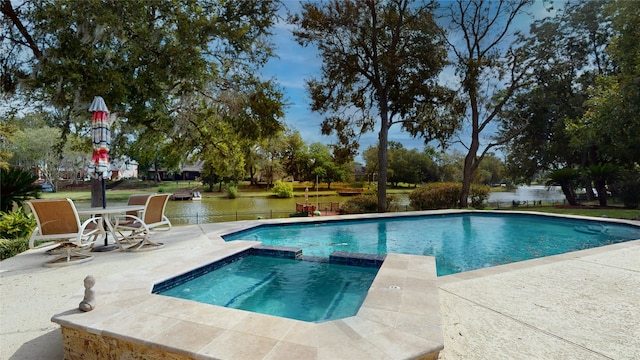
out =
column 460, row 242
column 302, row 290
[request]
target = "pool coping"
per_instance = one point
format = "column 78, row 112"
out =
column 399, row 319
column 378, row 331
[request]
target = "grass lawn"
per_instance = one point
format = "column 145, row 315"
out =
column 611, row 212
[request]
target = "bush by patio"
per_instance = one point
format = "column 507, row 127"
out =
column 283, row 189
column 16, row 224
column 446, row 196
column 12, row 247
column 362, row 204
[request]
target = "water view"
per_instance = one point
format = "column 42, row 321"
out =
column 211, row 209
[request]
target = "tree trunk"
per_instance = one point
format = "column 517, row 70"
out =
column 470, row 161
column 602, row 193
column 252, row 174
column 589, row 192
column 382, row 161
column 96, row 192
column 569, row 194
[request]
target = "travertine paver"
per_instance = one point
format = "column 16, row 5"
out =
column 478, row 321
column 577, row 307
column 142, row 324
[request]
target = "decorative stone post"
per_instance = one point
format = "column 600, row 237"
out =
column 89, row 301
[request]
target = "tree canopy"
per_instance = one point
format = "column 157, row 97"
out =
column 490, row 69
column 380, row 65
column 178, row 74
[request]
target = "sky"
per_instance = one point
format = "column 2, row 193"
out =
column 294, row 64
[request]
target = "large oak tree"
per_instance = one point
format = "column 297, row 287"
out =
column 491, row 71
column 380, row 63
column 180, row 75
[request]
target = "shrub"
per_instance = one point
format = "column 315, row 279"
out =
column 446, row 196
column 479, row 194
column 232, row 192
column 372, row 189
column 16, row 224
column 283, row 189
column 627, row 188
column 360, row 204
column 368, row 204
column 12, row 247
column 435, row 196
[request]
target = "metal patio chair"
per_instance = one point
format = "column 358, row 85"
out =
column 134, row 231
column 58, row 222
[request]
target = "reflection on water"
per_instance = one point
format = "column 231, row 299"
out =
column 241, row 208
column 529, row 193
column 250, row 208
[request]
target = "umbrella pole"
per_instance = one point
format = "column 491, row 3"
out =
column 104, row 197
column 106, row 246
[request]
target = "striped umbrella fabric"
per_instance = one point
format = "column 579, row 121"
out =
column 100, row 166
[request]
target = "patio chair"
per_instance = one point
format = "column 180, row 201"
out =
column 58, row 222
column 136, row 199
column 135, row 230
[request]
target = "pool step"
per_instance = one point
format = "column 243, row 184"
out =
column 251, row 290
column 336, row 301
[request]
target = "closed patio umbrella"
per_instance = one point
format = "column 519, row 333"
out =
column 100, row 168
column 100, row 138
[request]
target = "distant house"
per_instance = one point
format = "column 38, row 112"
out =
column 359, row 173
column 124, row 169
column 186, row 172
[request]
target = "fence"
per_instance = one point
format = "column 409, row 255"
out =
column 333, row 209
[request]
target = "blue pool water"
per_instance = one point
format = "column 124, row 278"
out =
column 302, row 290
column 460, row 242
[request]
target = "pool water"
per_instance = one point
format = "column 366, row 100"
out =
column 303, row 290
column 460, row 242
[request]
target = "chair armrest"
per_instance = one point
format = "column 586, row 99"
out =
column 32, row 239
column 90, row 228
column 125, row 220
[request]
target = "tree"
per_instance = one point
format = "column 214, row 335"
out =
column 612, row 115
column 569, row 52
column 271, row 155
column 601, row 175
column 35, row 149
column 6, row 138
column 410, row 166
column 380, row 64
column 492, row 170
column 567, row 179
column 490, row 70
column 295, row 157
column 323, row 165
column 167, row 70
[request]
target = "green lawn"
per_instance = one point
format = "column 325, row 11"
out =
column 614, row 213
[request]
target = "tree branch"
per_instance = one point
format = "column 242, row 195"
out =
column 9, row 11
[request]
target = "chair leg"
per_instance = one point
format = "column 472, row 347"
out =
column 72, row 256
column 145, row 245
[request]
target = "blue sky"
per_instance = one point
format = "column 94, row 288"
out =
column 294, row 64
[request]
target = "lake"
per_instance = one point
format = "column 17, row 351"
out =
column 250, row 208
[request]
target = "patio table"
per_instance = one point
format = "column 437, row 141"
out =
column 106, row 213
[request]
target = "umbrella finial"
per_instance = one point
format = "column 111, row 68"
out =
column 98, row 104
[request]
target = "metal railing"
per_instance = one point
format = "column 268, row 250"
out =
column 204, row 218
